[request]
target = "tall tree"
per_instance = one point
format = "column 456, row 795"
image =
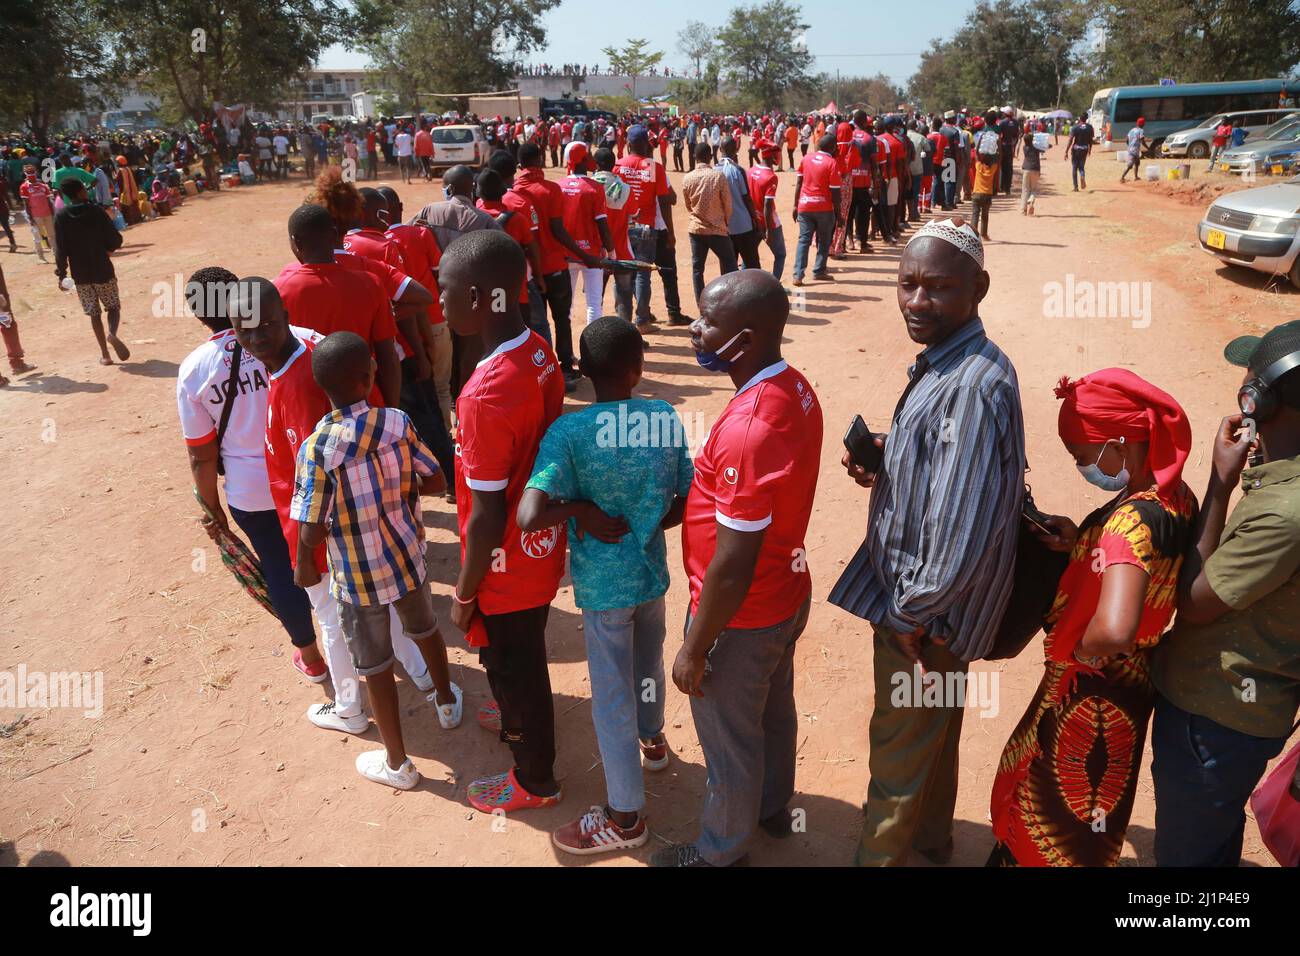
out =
column 195, row 52
column 695, row 41
column 52, row 64
column 1197, row 40
column 633, row 59
column 460, row 46
column 764, row 56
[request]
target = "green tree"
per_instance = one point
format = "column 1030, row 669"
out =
column 634, row 59
column 695, row 42
column 52, row 63
column 462, row 46
column 195, row 52
column 765, row 53
column 1196, row 40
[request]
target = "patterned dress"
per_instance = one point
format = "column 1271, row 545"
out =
column 1065, row 784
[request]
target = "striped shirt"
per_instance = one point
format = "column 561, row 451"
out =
column 945, row 507
column 359, row 468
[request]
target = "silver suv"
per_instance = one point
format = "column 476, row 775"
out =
column 1256, row 228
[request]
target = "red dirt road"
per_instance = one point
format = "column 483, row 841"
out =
column 202, row 755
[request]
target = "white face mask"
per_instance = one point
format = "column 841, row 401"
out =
column 1095, row 476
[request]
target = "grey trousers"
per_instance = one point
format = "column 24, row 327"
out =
column 748, row 726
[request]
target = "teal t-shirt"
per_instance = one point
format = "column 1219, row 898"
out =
column 630, row 458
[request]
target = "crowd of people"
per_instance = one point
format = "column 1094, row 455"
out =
column 582, row 69
column 406, row 353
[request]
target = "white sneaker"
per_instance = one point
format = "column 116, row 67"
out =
column 326, row 716
column 373, row 765
column 449, row 714
column 424, row 682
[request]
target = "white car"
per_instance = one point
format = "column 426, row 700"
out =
column 457, row 145
column 1256, row 228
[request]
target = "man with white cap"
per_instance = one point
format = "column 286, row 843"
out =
column 934, row 573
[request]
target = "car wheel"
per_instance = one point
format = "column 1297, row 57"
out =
column 1198, row 150
column 1294, row 273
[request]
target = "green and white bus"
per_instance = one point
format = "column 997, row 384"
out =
column 1173, row 107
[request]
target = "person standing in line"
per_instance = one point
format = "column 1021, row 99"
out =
column 816, row 199
column 762, row 192
column 741, row 226
column 708, row 204
column 744, row 552
column 933, row 575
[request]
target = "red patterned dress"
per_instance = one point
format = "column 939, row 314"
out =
column 1065, row 784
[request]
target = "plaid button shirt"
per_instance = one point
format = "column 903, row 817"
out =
column 358, row 467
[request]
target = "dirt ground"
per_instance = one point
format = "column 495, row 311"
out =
column 202, row 755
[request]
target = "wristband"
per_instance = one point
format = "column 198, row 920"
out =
column 455, row 596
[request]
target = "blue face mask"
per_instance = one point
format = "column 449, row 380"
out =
column 1095, row 476
column 713, row 360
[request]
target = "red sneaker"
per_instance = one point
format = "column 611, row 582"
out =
column 654, row 753
column 594, row 832
column 316, row 673
column 502, row 791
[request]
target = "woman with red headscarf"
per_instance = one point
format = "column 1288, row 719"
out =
column 1065, row 784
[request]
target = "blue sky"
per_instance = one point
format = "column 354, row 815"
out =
column 855, row 38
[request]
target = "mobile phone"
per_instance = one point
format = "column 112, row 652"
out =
column 1037, row 520
column 861, row 446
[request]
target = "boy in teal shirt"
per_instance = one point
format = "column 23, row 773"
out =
column 618, row 472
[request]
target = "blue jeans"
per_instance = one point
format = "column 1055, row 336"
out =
column 625, row 657
column 823, row 224
column 1203, row 773
column 292, row 606
column 1078, row 157
column 776, row 242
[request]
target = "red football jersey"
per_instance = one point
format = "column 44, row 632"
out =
column 503, row 410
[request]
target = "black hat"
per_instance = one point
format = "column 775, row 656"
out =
column 1257, row 353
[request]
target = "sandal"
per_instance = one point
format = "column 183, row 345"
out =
column 503, row 791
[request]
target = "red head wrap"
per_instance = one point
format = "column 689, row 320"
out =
column 1114, row 403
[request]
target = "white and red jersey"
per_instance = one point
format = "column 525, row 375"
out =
column 503, row 411
column 648, row 180
column 383, row 258
column 762, row 186
column 757, row 471
column 821, row 173
column 203, row 387
column 422, row 254
column 584, row 207
column 294, row 406
column 865, row 147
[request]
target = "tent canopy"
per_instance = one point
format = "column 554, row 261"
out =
column 829, row 108
column 1058, row 114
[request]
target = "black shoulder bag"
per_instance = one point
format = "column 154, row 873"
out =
column 229, row 407
column 1036, row 577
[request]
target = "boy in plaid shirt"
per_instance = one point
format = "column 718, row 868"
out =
column 363, row 470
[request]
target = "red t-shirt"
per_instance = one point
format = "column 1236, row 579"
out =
column 422, row 255
column 762, row 185
column 617, row 219
column 503, row 410
column 648, row 180
column 758, row 472
column 548, row 200
column 821, row 173
column 518, row 228
column 584, row 207
column 553, row 134
column 338, row 297
column 294, row 406
column 940, row 145
column 392, row 277
column 424, row 143
column 39, row 196
column 866, row 145
column 844, row 150
column 897, row 155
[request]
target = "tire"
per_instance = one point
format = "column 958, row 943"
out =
column 1198, row 150
column 1294, row 273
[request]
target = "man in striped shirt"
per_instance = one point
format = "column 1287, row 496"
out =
column 934, row 573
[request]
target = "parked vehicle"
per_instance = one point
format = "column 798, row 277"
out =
column 1256, row 228
column 1268, row 157
column 1175, row 107
column 457, row 145
column 1197, row 143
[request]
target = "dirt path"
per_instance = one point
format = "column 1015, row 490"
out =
column 202, row 755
